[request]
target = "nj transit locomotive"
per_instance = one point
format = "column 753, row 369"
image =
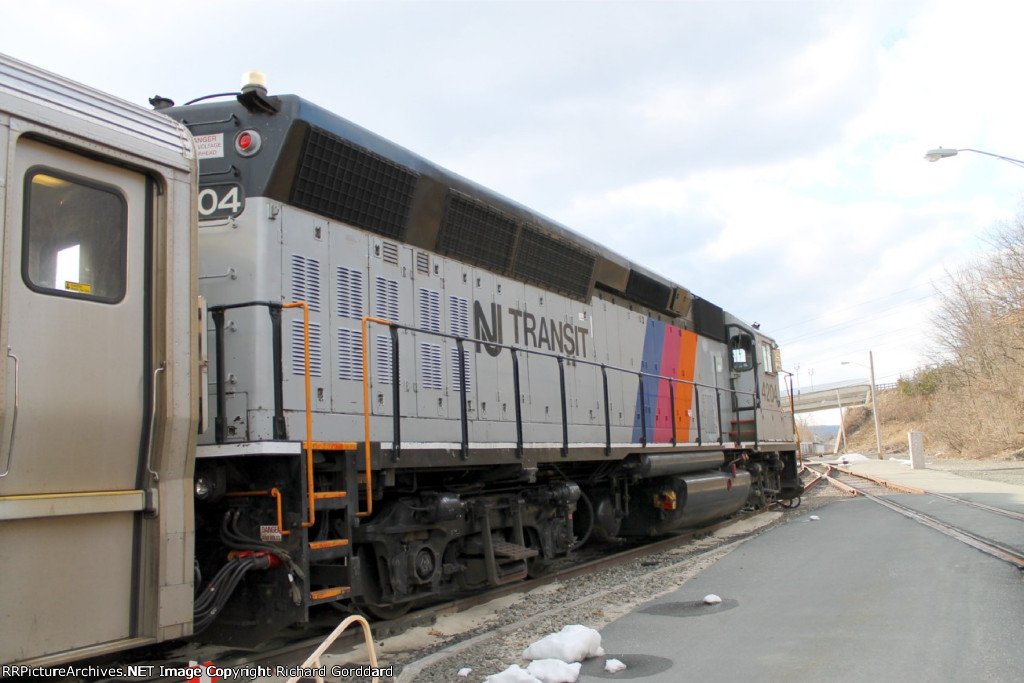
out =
column 260, row 359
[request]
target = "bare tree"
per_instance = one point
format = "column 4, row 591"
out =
column 979, row 333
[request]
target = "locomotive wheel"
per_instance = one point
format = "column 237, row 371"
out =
column 370, row 601
column 379, row 612
column 582, row 521
column 537, row 565
column 385, row 612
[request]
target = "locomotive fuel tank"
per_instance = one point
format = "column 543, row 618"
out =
column 666, row 505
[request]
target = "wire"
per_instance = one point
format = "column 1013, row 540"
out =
column 213, row 598
column 210, row 97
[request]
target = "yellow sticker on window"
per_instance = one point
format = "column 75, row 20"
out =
column 80, row 287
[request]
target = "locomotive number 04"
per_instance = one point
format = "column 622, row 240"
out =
column 218, row 201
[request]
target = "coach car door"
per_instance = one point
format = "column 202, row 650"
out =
column 72, row 449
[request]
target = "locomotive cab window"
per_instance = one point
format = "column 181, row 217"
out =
column 741, row 352
column 75, row 237
column 768, row 359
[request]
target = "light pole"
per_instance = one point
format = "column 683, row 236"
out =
column 944, row 152
column 874, row 403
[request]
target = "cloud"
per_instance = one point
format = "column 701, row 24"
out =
column 766, row 155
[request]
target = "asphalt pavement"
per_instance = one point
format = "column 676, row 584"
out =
column 860, row 593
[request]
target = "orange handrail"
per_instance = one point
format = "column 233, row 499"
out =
column 366, row 410
column 309, row 410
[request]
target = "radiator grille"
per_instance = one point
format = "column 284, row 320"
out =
column 346, row 182
column 477, row 233
column 553, row 264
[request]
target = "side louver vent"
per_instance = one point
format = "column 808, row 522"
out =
column 350, row 355
column 316, row 359
column 306, row 281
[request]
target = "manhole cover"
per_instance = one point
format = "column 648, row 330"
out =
column 692, row 608
column 637, row 666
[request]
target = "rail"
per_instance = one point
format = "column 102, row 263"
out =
column 982, row 543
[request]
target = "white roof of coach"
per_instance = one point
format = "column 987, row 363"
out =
column 135, row 129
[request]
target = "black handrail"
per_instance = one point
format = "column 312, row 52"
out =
column 280, row 425
column 607, row 412
column 672, row 402
column 463, row 403
column 519, row 408
column 396, row 394
column 280, row 428
column 643, row 410
column 755, row 401
column 463, row 412
column 565, row 409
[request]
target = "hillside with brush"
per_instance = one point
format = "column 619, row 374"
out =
column 970, row 401
column 952, row 424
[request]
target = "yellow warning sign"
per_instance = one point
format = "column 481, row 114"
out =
column 80, row 287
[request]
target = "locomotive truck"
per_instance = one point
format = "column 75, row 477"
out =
column 259, row 359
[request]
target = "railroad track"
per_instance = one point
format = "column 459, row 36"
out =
column 292, row 647
column 880, row 491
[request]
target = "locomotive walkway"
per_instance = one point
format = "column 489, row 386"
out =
column 860, row 594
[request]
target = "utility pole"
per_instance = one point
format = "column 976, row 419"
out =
column 874, row 405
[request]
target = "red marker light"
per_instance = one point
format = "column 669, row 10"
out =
column 248, row 142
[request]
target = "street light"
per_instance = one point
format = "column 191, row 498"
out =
column 944, row 152
column 874, row 403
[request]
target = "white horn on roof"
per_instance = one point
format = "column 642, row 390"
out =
column 254, row 80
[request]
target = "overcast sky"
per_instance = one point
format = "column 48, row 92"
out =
column 766, row 155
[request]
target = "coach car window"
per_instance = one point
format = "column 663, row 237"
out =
column 75, row 237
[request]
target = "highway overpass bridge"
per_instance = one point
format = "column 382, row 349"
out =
column 833, row 397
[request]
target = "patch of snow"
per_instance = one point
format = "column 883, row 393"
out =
column 554, row 670
column 814, row 518
column 614, row 666
column 513, row 674
column 852, row 457
column 572, row 644
column 712, row 599
column 465, row 671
